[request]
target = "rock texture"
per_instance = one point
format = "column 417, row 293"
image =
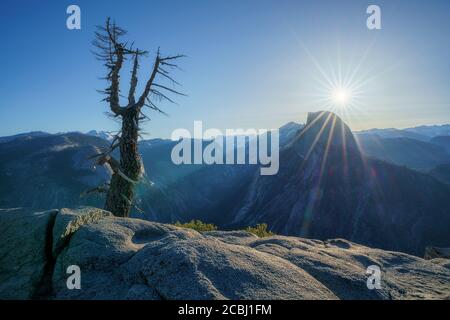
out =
column 122, row 258
column 23, row 257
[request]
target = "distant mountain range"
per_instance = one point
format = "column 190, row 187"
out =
column 332, row 182
column 415, row 154
column 107, row 135
column 48, row 171
column 424, row 133
column 421, row 148
column 24, row 136
column 431, row 131
column 443, row 141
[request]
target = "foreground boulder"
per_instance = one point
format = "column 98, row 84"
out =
column 121, row 258
column 23, row 256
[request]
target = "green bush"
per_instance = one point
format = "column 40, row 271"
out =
column 197, row 225
column 260, row 230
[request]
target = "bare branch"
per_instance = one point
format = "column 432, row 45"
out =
column 152, row 106
column 148, row 86
column 165, row 74
column 159, row 61
column 114, row 92
column 169, row 89
column 162, row 96
column 112, row 52
column 125, row 177
column 134, row 81
column 178, row 56
column 107, row 159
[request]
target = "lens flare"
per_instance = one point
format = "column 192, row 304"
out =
column 341, row 96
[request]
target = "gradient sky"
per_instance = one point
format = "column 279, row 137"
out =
column 250, row 64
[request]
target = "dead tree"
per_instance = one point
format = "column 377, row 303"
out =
column 114, row 53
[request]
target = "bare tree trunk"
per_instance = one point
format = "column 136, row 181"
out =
column 127, row 171
column 121, row 192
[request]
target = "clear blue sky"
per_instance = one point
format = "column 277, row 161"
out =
column 251, row 63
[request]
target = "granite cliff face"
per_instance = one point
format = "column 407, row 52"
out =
column 326, row 188
column 123, row 258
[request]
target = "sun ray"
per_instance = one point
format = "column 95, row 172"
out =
column 319, row 134
column 311, row 124
column 344, row 150
column 325, row 155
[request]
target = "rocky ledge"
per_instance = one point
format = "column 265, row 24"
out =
column 121, row 258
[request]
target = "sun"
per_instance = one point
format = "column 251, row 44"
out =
column 341, row 96
column 339, row 86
